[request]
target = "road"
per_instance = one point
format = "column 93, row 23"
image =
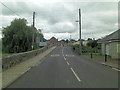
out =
column 63, row 69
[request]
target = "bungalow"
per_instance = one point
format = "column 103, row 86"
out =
column 110, row 45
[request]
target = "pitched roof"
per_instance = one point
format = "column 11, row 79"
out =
column 115, row 36
column 53, row 38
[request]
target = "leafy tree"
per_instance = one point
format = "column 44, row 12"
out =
column 67, row 41
column 89, row 38
column 18, row 36
column 92, row 43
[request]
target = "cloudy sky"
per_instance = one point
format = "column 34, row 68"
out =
column 57, row 18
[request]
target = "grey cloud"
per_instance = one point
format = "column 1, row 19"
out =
column 17, row 7
column 94, row 16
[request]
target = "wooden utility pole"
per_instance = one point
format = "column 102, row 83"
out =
column 33, row 30
column 70, row 39
column 80, row 31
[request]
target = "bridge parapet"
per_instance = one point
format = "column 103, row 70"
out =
column 9, row 61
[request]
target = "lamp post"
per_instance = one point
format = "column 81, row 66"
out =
column 80, row 48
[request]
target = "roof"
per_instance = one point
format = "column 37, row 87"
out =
column 113, row 37
column 53, row 38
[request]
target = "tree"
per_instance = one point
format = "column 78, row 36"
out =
column 67, row 41
column 18, row 36
column 92, row 43
column 89, row 38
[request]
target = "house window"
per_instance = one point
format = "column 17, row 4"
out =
column 118, row 48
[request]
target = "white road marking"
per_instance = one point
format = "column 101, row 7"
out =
column 113, row 68
column 116, row 69
column 75, row 75
column 69, row 55
column 68, row 63
column 62, row 51
column 103, row 63
column 64, row 58
column 55, row 55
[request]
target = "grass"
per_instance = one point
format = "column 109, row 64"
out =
column 96, row 54
column 90, row 53
column 5, row 54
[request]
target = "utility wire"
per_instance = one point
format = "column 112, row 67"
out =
column 10, row 9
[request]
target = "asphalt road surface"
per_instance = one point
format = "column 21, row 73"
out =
column 63, row 69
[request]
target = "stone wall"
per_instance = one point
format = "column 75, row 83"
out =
column 12, row 60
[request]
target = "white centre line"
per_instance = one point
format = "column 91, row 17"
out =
column 116, row 69
column 75, row 75
column 68, row 63
column 64, row 58
column 62, row 50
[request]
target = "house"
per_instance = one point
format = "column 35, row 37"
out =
column 53, row 40
column 110, row 45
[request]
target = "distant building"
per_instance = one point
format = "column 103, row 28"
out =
column 42, row 44
column 37, row 40
column 53, row 40
column 110, row 45
column 72, row 41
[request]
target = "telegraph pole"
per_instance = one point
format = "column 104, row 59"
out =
column 80, row 31
column 70, row 39
column 33, row 30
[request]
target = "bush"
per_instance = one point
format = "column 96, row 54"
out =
column 18, row 37
column 76, row 46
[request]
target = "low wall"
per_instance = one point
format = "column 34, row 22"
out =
column 12, row 60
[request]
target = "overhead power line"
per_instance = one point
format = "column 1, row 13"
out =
column 10, row 9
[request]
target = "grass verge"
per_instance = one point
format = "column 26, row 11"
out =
column 4, row 54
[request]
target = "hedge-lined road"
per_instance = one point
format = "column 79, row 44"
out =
column 63, row 69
